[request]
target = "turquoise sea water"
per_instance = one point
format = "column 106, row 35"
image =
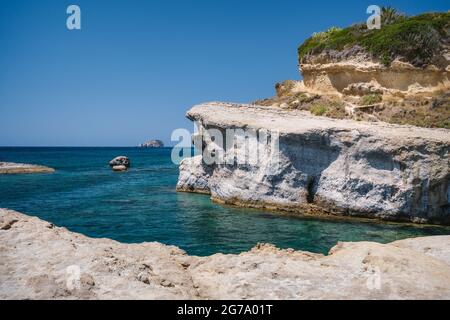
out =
column 140, row 205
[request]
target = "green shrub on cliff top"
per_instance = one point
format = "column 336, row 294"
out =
column 390, row 15
column 318, row 109
column 371, row 99
column 333, row 38
column 417, row 39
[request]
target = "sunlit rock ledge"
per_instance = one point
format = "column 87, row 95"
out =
column 42, row 261
column 16, row 168
column 338, row 167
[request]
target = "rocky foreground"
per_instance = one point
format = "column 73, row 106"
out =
column 15, row 168
column 41, row 261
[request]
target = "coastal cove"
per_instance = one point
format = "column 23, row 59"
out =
column 142, row 205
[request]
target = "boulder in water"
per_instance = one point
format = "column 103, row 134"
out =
column 120, row 161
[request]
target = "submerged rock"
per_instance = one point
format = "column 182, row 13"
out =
column 120, row 168
column 120, row 161
column 38, row 262
column 342, row 167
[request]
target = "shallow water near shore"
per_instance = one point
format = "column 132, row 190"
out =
column 85, row 196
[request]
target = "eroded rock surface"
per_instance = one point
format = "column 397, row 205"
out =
column 324, row 75
column 194, row 176
column 41, row 261
column 326, row 165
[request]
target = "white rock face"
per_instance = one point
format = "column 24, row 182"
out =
column 341, row 167
column 41, row 261
column 194, row 176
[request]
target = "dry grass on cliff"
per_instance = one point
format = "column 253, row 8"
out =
column 433, row 113
column 429, row 114
column 317, row 105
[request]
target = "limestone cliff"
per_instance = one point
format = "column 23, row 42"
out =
column 339, row 167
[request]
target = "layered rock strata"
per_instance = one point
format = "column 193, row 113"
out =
column 324, row 75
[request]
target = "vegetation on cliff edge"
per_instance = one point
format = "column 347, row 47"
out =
column 416, row 39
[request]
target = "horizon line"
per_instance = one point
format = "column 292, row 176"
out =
column 61, row 146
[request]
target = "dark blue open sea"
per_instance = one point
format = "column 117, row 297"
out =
column 85, row 196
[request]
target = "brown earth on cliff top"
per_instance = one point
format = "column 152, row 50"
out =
column 374, row 75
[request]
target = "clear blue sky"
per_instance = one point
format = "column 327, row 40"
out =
column 136, row 66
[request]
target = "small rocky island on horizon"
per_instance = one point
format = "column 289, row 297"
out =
column 152, row 144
